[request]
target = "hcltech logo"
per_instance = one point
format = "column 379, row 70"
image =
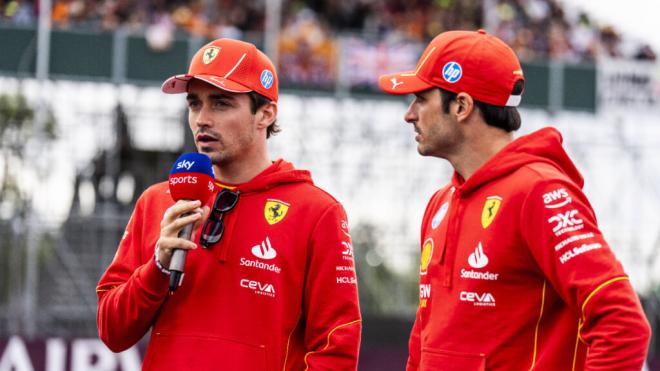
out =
column 452, row 72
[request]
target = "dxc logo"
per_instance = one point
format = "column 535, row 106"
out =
column 348, row 248
column 564, row 220
column 452, row 72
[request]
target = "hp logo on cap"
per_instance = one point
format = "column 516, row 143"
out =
column 452, row 72
column 266, row 79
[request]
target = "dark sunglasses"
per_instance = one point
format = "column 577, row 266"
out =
column 214, row 227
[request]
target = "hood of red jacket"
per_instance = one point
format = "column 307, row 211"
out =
column 279, row 172
column 542, row 146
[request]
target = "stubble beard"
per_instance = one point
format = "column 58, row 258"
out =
column 440, row 144
column 217, row 153
column 224, row 155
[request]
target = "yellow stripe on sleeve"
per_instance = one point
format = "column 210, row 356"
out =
column 327, row 344
column 622, row 278
column 591, row 295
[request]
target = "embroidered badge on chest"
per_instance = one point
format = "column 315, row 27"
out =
column 275, row 210
column 491, row 207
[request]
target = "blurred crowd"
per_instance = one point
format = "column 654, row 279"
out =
column 309, row 42
column 546, row 28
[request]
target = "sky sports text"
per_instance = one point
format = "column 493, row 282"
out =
column 188, row 179
column 185, row 164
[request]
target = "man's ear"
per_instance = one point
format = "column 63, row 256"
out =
column 266, row 115
column 464, row 106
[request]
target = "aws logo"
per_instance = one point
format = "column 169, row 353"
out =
column 275, row 211
column 557, row 198
column 427, row 254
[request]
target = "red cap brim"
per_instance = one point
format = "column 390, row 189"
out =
column 402, row 83
column 179, row 84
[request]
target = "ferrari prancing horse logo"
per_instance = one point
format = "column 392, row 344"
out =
column 275, row 211
column 491, row 206
column 210, row 54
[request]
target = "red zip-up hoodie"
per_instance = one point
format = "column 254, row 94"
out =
column 515, row 274
column 277, row 292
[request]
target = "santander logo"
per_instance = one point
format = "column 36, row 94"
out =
column 478, row 259
column 265, row 250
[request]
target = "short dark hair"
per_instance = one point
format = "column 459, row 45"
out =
column 505, row 118
column 257, row 101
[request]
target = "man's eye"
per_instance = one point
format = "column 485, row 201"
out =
column 193, row 104
column 220, row 103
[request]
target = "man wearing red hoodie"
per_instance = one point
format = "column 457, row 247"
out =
column 514, row 272
column 273, row 286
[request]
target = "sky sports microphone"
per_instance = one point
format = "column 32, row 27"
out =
column 191, row 178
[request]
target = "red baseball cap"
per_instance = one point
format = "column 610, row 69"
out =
column 464, row 61
column 230, row 65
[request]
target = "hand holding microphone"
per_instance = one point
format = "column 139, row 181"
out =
column 191, row 184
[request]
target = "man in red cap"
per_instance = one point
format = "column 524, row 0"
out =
column 274, row 286
column 514, row 272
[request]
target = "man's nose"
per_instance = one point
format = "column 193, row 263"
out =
column 203, row 118
column 411, row 114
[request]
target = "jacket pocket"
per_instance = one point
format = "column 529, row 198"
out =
column 446, row 360
column 202, row 353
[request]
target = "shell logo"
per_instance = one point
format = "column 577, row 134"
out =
column 427, row 254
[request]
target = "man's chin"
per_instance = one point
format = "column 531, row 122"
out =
column 209, row 151
column 217, row 159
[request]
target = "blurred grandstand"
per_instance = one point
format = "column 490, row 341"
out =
column 84, row 129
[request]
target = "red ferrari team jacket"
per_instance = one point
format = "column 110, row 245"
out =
column 277, row 292
column 515, row 274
